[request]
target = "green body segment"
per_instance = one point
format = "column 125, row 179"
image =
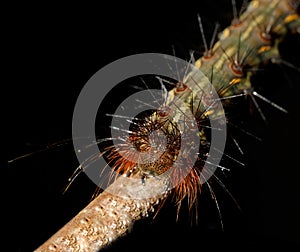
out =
column 251, row 41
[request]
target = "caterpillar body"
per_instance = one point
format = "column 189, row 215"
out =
column 251, row 40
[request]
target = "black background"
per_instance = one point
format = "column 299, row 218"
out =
column 51, row 53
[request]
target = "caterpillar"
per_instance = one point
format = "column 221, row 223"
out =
column 233, row 70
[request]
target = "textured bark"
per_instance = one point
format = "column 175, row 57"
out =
column 107, row 217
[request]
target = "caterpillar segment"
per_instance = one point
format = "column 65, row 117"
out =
column 246, row 45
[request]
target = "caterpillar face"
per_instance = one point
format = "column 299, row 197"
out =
column 154, row 146
column 171, row 142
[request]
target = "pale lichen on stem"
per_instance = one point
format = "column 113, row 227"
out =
column 105, row 219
